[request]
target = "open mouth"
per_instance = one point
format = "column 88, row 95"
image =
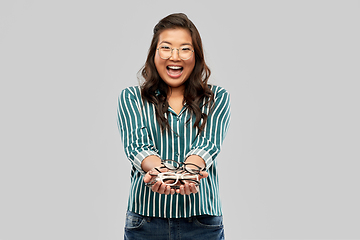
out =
column 174, row 71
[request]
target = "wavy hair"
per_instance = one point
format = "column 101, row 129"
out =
column 197, row 91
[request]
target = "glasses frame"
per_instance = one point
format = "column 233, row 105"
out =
column 177, row 173
column 171, row 53
column 181, row 166
column 175, row 177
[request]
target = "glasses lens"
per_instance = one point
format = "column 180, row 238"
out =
column 185, row 53
column 169, row 164
column 169, row 178
column 192, row 168
column 165, row 51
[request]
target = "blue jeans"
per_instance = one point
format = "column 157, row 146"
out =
column 138, row 227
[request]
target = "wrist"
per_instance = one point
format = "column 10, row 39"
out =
column 150, row 162
column 197, row 160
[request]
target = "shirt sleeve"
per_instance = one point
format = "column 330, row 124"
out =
column 134, row 134
column 207, row 145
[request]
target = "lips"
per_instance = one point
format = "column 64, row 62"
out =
column 174, row 71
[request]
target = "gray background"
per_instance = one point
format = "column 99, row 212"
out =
column 289, row 165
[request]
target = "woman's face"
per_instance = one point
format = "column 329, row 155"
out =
column 175, row 71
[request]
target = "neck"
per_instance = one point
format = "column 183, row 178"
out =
column 177, row 92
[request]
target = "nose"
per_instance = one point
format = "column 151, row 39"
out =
column 175, row 54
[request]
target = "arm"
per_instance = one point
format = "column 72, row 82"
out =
column 134, row 133
column 208, row 144
column 138, row 146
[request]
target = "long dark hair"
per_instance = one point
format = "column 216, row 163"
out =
column 197, row 92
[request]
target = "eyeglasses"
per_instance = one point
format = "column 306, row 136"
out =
column 171, row 179
column 181, row 166
column 185, row 52
column 178, row 171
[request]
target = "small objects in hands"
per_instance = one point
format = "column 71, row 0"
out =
column 172, row 179
column 176, row 173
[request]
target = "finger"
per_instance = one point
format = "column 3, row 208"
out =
column 193, row 188
column 156, row 186
column 203, row 175
column 167, row 190
column 187, row 189
column 162, row 189
column 172, row 191
column 180, row 190
column 147, row 178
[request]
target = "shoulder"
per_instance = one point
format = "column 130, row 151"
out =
column 131, row 92
column 219, row 91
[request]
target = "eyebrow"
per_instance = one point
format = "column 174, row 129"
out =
column 171, row 44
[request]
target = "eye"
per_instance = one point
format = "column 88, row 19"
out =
column 165, row 48
column 186, row 49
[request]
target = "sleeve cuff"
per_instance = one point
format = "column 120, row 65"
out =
column 203, row 154
column 140, row 157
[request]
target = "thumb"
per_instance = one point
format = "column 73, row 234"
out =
column 204, row 174
column 147, row 177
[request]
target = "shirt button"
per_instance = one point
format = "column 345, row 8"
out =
column 177, row 154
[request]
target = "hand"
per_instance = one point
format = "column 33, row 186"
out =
column 189, row 188
column 158, row 187
column 186, row 188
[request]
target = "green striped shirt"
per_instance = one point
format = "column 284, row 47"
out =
column 142, row 137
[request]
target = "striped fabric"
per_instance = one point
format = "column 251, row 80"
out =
column 142, row 137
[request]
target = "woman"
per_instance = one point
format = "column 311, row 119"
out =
column 174, row 115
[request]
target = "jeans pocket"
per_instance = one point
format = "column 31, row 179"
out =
column 208, row 221
column 133, row 220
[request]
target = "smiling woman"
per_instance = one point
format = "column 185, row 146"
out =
column 196, row 88
column 175, row 70
column 174, row 116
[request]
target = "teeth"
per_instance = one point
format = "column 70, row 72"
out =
column 174, row 67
